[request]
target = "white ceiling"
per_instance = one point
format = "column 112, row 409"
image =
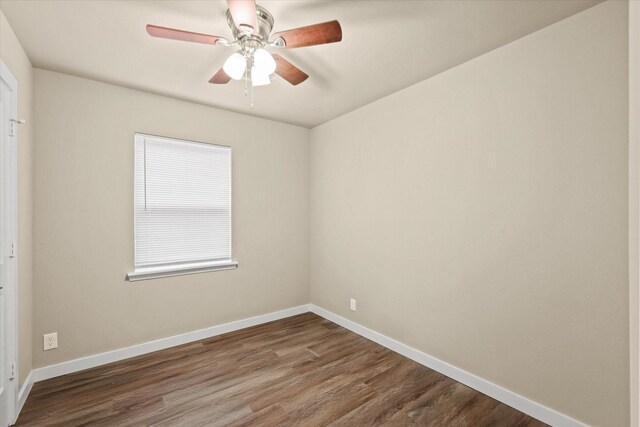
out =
column 386, row 46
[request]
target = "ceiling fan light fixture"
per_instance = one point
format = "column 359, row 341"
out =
column 235, row 66
column 264, row 61
column 259, row 78
column 251, row 26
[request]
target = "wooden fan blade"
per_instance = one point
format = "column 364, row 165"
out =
column 220, row 77
column 288, row 71
column 328, row 32
column 187, row 36
column 244, row 14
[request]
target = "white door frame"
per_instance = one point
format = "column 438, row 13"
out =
column 11, row 191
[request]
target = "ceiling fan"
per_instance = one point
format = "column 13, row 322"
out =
column 251, row 26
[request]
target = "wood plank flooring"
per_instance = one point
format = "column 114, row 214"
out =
column 303, row 370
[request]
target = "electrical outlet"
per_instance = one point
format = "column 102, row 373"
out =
column 352, row 304
column 50, row 341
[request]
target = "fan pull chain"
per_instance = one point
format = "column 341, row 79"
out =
column 249, row 65
column 246, row 80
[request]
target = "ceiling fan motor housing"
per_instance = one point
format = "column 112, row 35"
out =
column 258, row 38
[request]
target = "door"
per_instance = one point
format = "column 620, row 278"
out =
column 8, row 261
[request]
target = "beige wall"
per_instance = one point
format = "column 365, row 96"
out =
column 481, row 216
column 634, row 208
column 16, row 60
column 84, row 218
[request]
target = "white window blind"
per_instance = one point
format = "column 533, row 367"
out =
column 182, row 202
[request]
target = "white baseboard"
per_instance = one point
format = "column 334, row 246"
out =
column 25, row 389
column 92, row 361
column 495, row 391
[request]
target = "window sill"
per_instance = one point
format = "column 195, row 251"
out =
column 158, row 272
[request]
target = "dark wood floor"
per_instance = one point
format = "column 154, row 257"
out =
column 303, row 370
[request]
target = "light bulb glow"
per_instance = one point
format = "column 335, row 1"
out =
column 235, row 66
column 258, row 78
column 264, row 62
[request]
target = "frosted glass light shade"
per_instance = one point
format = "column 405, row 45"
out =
column 264, row 62
column 258, row 78
column 235, row 66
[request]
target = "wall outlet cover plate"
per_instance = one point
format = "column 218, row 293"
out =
column 50, row 341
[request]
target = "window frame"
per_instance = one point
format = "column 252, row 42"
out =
column 188, row 267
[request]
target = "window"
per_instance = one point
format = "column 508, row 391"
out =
column 182, row 207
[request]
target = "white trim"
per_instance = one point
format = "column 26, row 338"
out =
column 499, row 393
column 11, row 287
column 495, row 391
column 8, row 78
column 92, row 361
column 157, row 272
column 23, row 394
